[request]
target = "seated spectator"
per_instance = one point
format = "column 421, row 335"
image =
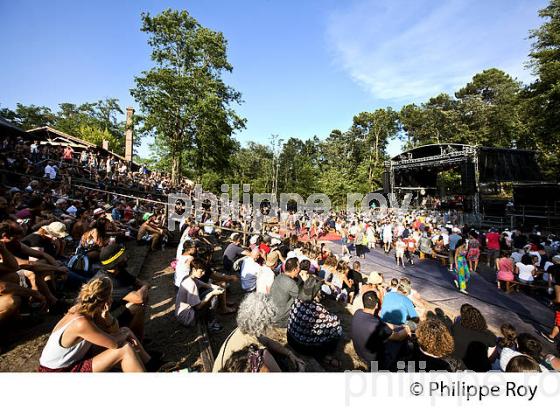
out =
column 285, row 290
column 339, row 284
column 434, row 348
column 474, row 343
column 150, row 232
column 374, row 283
column 129, row 294
column 183, row 265
column 254, row 318
column 504, row 265
column 194, row 298
column 37, row 269
column 250, row 270
column 69, row 347
column 233, row 252
column 94, row 239
column 525, row 269
column 530, row 346
column 265, row 277
column 12, row 294
column 250, row 359
column 375, row 341
column 312, row 330
column 523, row 364
column 397, row 308
column 508, row 340
column 49, row 238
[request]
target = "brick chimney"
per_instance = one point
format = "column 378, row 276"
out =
column 129, row 135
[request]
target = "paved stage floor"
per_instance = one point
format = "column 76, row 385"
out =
column 435, row 284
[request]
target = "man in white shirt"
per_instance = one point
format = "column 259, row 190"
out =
column 50, row 171
column 250, row 270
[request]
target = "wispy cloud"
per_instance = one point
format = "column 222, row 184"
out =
column 409, row 50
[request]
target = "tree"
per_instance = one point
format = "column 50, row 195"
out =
column 542, row 98
column 375, row 129
column 183, row 99
column 490, row 109
column 29, row 116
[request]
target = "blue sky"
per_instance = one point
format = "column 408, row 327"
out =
column 303, row 67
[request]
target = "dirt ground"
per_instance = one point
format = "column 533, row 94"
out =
column 181, row 346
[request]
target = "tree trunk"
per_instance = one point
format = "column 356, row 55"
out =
column 176, row 168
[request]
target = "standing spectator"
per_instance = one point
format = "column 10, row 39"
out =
column 68, row 154
column 473, row 254
column 492, row 246
column 504, row 266
column 454, row 239
column 462, row 272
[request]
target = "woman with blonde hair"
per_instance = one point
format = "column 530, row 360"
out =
column 68, row 348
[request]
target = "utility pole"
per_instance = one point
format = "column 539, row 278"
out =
column 276, row 144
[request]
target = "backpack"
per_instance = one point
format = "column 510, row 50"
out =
column 79, row 262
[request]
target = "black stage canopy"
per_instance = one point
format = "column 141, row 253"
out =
column 419, row 167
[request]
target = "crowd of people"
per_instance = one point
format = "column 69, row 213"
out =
column 98, row 167
column 63, row 252
column 290, row 283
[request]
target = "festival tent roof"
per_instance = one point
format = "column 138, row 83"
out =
column 53, row 136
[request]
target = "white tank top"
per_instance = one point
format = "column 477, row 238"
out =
column 56, row 356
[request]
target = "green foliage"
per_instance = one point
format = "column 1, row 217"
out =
column 29, row 116
column 184, row 101
column 542, row 97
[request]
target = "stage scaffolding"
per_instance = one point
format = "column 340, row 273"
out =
column 416, row 170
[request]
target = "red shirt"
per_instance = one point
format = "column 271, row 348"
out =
column 493, row 240
column 264, row 247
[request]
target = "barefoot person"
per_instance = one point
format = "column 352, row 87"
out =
column 68, row 348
